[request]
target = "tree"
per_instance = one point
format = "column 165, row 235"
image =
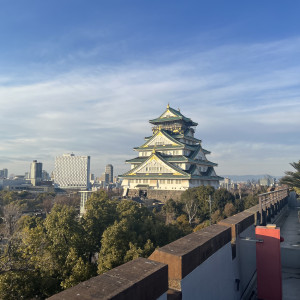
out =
column 216, row 216
column 53, row 251
column 100, row 214
column 250, row 201
column 221, row 198
column 292, row 179
column 70, row 200
column 76, row 270
column 201, row 226
column 183, row 224
column 12, row 214
column 18, row 285
column 191, row 203
column 114, row 245
column 64, row 232
column 229, row 209
column 203, row 193
column 136, row 232
column 239, row 205
column 173, row 209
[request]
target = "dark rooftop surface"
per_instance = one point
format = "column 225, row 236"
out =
column 290, row 255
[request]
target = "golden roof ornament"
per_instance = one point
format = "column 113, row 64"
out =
column 168, row 106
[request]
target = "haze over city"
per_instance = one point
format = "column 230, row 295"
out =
column 85, row 77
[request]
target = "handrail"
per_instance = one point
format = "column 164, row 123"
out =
column 270, row 199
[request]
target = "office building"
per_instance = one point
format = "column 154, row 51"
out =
column 104, row 178
column 4, row 173
column 72, row 172
column 36, row 172
column 110, row 171
column 45, row 175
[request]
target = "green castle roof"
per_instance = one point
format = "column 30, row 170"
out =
column 175, row 168
column 176, row 158
column 178, row 117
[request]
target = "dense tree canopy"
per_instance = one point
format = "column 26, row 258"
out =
column 42, row 256
column 45, row 256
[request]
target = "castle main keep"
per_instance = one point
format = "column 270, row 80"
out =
column 170, row 161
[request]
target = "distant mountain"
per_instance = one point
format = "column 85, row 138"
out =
column 245, row 178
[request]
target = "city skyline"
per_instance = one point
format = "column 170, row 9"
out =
column 87, row 78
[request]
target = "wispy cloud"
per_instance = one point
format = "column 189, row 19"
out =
column 246, row 99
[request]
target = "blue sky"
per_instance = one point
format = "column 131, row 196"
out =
column 86, row 76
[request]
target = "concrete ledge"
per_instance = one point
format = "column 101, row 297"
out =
column 238, row 223
column 255, row 211
column 187, row 253
column 137, row 279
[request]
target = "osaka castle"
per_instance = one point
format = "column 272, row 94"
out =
column 170, row 161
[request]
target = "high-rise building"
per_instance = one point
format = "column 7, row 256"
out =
column 4, row 173
column 170, row 161
column 72, row 172
column 227, row 183
column 104, row 178
column 45, row 175
column 109, row 169
column 36, row 172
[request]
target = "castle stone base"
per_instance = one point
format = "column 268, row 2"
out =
column 160, row 195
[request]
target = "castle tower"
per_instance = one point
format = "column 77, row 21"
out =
column 170, row 161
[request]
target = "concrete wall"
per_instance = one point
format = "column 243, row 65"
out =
column 137, row 279
column 246, row 257
column 204, row 281
column 160, row 195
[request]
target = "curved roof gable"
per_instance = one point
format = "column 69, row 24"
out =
column 156, row 160
column 163, row 138
column 171, row 114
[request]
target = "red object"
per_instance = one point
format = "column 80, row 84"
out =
column 281, row 239
column 268, row 263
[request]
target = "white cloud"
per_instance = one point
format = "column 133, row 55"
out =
column 244, row 97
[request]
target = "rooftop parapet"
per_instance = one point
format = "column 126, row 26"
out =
column 138, row 279
column 186, row 254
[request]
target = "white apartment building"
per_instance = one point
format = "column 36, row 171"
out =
column 72, row 172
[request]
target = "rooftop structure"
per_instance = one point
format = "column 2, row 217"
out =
column 84, row 196
column 170, row 161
